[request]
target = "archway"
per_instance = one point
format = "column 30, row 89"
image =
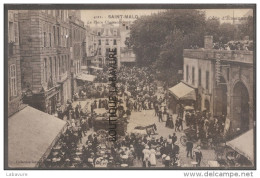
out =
column 220, row 106
column 240, row 107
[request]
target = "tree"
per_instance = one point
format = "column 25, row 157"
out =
column 150, row 33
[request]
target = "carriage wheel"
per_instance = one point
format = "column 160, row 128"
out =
column 183, row 140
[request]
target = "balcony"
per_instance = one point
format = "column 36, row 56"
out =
column 233, row 56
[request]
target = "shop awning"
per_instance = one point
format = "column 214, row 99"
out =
column 244, row 145
column 97, row 68
column 183, row 92
column 31, row 135
column 86, row 77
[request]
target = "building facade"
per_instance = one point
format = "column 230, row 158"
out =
column 107, row 36
column 224, row 81
column 45, row 58
column 14, row 72
column 77, row 46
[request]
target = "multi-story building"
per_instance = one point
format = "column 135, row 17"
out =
column 107, row 36
column 223, row 84
column 45, row 58
column 77, row 46
column 27, row 124
column 14, row 72
column 91, row 46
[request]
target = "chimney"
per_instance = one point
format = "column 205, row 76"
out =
column 208, row 42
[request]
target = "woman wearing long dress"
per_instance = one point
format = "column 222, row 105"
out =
column 152, row 157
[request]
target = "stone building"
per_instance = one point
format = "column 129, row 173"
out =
column 45, row 58
column 224, row 83
column 77, row 46
column 107, row 36
column 14, row 72
column 91, row 46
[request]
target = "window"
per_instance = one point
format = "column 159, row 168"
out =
column 59, row 65
column 98, row 33
column 51, row 74
column 106, row 32
column 55, row 67
column 11, row 32
column 63, row 63
column 62, row 15
column 107, row 42
column 187, row 73
column 114, row 42
column 193, row 75
column 13, row 84
column 99, row 51
column 45, row 69
column 207, row 80
column 50, row 39
column 54, row 35
column 44, row 39
column 58, row 35
column 68, row 58
column 99, row 42
column 126, row 27
column 199, row 77
column 115, row 32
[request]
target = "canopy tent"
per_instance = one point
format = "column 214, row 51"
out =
column 86, row 77
column 183, row 92
column 31, row 135
column 244, row 145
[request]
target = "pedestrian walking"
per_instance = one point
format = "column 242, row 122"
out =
column 189, row 147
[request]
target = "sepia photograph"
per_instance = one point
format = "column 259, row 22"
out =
column 130, row 87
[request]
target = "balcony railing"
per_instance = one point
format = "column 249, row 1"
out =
column 236, row 56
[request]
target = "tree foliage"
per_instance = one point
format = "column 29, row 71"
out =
column 159, row 39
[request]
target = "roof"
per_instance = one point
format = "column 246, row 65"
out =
column 183, row 92
column 86, row 77
column 244, row 145
column 31, row 133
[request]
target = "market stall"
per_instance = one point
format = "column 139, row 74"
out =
column 31, row 136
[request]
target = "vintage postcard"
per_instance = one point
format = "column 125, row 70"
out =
column 130, row 87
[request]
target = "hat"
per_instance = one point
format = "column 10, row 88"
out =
column 167, row 158
column 146, row 147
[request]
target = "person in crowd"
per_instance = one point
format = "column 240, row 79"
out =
column 198, row 155
column 189, row 147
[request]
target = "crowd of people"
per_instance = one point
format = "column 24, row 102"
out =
column 234, row 45
column 138, row 92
